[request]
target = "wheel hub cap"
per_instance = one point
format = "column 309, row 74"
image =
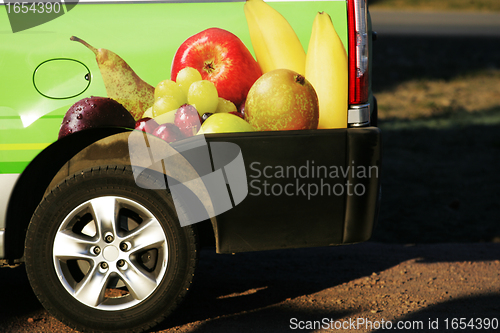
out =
column 110, row 253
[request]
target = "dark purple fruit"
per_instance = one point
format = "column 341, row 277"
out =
column 188, row 120
column 237, row 113
column 147, row 125
column 95, row 112
column 206, row 115
column 168, row 132
column 241, row 109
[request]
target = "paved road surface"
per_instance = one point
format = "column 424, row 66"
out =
column 435, row 23
column 264, row 291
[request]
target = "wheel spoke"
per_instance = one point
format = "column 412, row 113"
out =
column 68, row 245
column 139, row 283
column 104, row 211
column 92, row 288
column 91, row 232
column 148, row 234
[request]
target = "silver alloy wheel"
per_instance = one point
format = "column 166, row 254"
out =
column 110, row 253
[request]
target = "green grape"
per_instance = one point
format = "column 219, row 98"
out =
column 186, row 77
column 167, row 117
column 148, row 113
column 170, row 88
column 225, row 106
column 165, row 104
column 203, row 95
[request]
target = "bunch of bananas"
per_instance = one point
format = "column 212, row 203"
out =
column 325, row 66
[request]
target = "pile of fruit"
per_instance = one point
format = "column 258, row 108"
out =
column 183, row 107
column 217, row 86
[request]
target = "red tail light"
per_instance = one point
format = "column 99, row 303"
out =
column 358, row 51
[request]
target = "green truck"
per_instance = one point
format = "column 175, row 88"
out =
column 109, row 220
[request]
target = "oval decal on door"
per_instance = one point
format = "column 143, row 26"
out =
column 61, row 78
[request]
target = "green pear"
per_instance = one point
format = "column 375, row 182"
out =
column 121, row 82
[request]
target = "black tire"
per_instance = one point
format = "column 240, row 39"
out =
column 68, row 257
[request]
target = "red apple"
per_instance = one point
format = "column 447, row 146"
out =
column 147, row 125
column 222, row 58
column 168, row 132
column 188, row 120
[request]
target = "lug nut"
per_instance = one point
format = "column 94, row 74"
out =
column 108, row 238
column 104, row 265
column 97, row 250
column 121, row 263
column 123, row 246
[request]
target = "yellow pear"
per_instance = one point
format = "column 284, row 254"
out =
column 121, row 82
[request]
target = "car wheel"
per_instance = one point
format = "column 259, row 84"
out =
column 103, row 254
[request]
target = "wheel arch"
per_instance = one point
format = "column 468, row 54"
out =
column 78, row 151
column 33, row 182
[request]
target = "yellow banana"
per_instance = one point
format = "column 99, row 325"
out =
column 326, row 70
column 274, row 42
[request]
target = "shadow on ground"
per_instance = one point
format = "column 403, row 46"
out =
column 439, row 175
column 240, row 292
column 401, row 58
column 440, row 184
column 456, row 315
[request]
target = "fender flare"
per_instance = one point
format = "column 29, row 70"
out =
column 134, row 149
column 34, row 180
column 76, row 152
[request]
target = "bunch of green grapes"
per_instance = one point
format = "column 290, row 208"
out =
column 168, row 97
column 200, row 93
column 188, row 88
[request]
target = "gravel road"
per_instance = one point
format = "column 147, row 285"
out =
column 282, row 291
